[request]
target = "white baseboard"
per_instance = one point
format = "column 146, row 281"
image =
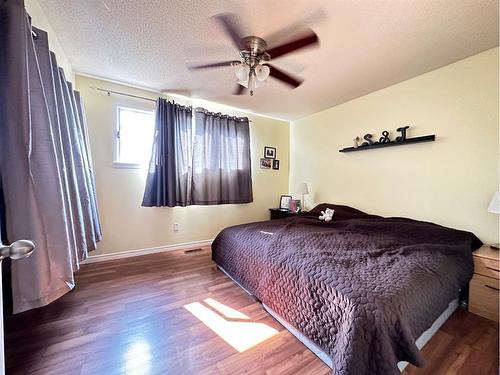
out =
column 146, row 251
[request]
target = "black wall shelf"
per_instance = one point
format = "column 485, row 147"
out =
column 425, row 138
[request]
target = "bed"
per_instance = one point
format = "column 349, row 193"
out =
column 360, row 289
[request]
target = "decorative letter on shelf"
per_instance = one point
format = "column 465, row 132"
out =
column 385, row 141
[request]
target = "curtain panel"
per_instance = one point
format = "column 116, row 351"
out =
column 221, row 159
column 47, row 178
column 200, row 162
column 169, row 177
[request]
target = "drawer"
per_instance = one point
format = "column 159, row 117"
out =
column 483, row 296
column 487, row 267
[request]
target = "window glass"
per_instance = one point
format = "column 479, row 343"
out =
column 134, row 136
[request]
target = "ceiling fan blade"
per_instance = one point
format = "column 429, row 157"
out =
column 238, row 90
column 307, row 40
column 284, row 77
column 230, row 24
column 213, row 65
column 314, row 17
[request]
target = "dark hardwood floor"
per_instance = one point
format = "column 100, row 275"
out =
column 142, row 316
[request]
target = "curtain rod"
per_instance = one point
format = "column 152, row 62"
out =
column 109, row 92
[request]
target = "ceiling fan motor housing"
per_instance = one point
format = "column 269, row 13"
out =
column 255, row 50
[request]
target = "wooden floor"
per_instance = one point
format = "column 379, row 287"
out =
column 142, row 316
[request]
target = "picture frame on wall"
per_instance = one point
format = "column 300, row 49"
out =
column 270, row 152
column 285, row 202
column 276, row 164
column 266, row 163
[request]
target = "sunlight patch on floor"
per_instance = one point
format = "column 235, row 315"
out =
column 227, row 311
column 241, row 335
column 138, row 358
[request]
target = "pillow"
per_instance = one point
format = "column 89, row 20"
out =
column 341, row 212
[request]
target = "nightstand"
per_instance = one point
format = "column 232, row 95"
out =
column 484, row 286
column 277, row 213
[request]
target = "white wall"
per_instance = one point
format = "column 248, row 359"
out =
column 449, row 181
column 127, row 225
column 39, row 20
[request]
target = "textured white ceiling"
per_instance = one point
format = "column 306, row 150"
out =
column 365, row 44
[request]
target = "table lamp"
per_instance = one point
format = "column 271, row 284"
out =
column 494, row 208
column 303, row 189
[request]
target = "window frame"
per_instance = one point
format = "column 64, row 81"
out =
column 116, row 136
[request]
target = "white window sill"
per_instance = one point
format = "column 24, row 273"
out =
column 122, row 165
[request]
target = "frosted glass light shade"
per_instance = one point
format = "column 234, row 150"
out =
column 242, row 72
column 243, row 82
column 494, row 206
column 262, row 72
column 303, row 188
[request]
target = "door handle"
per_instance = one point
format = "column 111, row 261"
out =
column 17, row 250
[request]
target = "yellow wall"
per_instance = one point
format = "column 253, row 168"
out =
column 449, row 181
column 127, row 225
column 39, row 20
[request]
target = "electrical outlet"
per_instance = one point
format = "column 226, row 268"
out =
column 176, row 227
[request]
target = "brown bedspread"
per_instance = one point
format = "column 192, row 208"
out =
column 361, row 287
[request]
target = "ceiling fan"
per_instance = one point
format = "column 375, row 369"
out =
column 253, row 68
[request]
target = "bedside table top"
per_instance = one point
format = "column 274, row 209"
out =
column 487, row 252
column 282, row 210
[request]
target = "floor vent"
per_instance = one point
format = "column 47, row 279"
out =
column 191, row 251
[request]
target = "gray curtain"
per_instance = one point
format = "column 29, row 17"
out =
column 221, row 172
column 206, row 167
column 169, row 178
column 47, row 179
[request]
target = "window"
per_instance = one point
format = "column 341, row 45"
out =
column 134, row 137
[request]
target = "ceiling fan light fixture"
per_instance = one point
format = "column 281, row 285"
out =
column 262, row 72
column 251, row 81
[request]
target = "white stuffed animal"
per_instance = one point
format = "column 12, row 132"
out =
column 327, row 215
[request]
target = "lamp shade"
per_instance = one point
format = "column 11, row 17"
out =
column 494, row 206
column 303, row 188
